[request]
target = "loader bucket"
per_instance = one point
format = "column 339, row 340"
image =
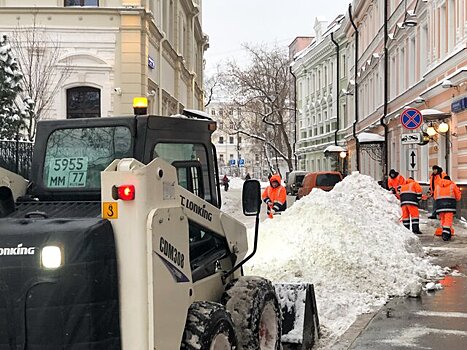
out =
column 300, row 322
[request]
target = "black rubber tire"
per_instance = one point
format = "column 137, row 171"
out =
column 205, row 321
column 446, row 236
column 246, row 299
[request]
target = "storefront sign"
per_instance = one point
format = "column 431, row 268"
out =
column 459, row 105
column 151, row 62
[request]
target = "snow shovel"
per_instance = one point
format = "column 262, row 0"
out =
column 300, row 322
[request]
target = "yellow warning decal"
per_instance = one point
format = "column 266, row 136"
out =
column 110, row 210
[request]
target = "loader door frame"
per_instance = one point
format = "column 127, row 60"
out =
column 195, row 132
column 206, row 249
column 190, row 176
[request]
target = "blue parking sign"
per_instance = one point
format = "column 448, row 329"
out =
column 241, row 162
column 232, row 162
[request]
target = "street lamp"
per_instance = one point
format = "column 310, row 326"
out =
column 343, row 154
column 443, row 127
column 431, row 130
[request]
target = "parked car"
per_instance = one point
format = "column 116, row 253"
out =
column 294, row 182
column 324, row 180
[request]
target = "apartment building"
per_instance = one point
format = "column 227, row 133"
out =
column 426, row 60
column 237, row 154
column 401, row 54
column 321, row 107
column 117, row 50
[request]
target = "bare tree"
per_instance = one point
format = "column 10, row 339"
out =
column 38, row 55
column 262, row 92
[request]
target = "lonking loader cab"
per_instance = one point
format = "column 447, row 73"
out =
column 69, row 155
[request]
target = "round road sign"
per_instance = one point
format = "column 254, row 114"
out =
column 411, row 118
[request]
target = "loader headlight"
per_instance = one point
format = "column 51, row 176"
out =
column 51, row 257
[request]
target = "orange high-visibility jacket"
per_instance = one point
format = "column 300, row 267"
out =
column 435, row 181
column 276, row 196
column 446, row 195
column 410, row 193
column 396, row 182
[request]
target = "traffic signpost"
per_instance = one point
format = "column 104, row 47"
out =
column 412, row 159
column 411, row 139
column 411, row 118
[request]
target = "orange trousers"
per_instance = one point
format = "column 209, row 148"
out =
column 410, row 214
column 446, row 220
column 410, row 211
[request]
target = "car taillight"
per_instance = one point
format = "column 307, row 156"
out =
column 124, row 192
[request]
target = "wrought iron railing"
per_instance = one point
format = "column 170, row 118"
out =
column 16, row 156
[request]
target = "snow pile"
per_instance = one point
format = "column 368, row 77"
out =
column 350, row 244
column 236, row 182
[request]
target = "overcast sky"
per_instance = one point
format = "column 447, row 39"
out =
column 229, row 23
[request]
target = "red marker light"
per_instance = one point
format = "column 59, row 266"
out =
column 126, row 192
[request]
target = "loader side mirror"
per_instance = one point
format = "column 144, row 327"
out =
column 251, row 197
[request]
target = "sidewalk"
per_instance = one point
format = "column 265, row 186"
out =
column 436, row 320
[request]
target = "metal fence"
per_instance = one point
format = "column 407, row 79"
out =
column 16, row 156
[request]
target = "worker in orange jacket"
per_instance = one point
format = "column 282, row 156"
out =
column 394, row 181
column 435, row 178
column 275, row 196
column 410, row 195
column 446, row 196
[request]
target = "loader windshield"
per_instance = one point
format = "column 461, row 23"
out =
column 75, row 157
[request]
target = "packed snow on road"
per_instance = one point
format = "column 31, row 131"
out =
column 349, row 243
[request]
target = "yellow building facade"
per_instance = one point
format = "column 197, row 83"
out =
column 116, row 50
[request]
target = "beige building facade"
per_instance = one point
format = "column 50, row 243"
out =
column 418, row 60
column 118, row 50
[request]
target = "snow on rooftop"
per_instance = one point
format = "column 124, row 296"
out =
column 198, row 112
column 369, row 137
column 431, row 112
column 334, row 148
column 350, row 244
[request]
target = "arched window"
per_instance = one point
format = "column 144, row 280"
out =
column 83, row 102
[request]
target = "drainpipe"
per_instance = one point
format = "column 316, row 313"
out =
column 160, row 74
column 386, row 92
column 356, row 89
column 294, row 118
column 337, row 87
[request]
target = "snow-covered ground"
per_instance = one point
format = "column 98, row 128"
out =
column 348, row 242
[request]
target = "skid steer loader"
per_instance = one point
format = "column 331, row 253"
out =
column 119, row 242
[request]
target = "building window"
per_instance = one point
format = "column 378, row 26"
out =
column 83, row 102
column 213, row 111
column 69, row 3
column 231, row 140
column 221, row 139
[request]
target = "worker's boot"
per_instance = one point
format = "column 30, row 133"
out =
column 406, row 223
column 416, row 226
column 446, row 233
